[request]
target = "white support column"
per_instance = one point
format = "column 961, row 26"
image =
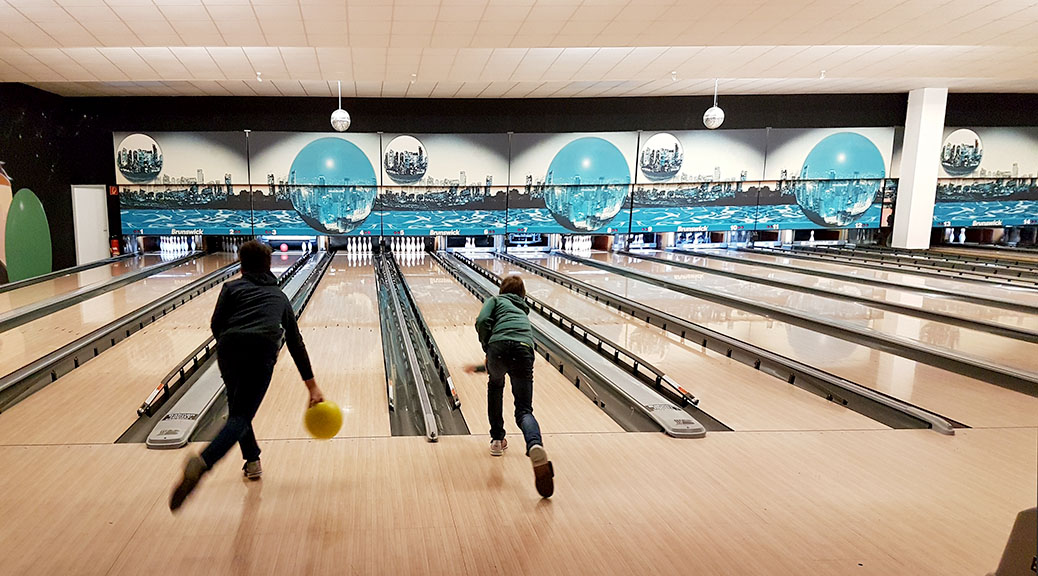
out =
column 917, row 187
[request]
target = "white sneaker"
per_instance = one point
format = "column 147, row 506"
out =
column 498, row 447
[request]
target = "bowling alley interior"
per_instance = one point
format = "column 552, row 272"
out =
column 779, row 285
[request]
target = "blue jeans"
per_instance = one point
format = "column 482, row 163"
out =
column 516, row 360
column 246, row 365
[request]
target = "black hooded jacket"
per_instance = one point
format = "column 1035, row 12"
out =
column 254, row 306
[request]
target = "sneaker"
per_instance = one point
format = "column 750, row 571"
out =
column 194, row 468
column 498, row 447
column 252, row 470
column 543, row 473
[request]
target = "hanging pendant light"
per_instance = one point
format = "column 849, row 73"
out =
column 714, row 116
column 340, row 118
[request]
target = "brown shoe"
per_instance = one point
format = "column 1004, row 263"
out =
column 543, row 473
column 194, row 468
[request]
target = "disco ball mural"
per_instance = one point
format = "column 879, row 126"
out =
column 839, row 179
column 333, row 185
column 587, row 183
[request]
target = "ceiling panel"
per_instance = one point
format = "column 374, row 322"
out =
column 516, row 48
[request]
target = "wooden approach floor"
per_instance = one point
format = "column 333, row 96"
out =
column 879, row 502
column 788, row 502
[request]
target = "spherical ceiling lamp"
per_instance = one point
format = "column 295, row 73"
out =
column 340, row 118
column 714, row 116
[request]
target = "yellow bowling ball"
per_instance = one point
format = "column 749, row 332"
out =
column 323, row 420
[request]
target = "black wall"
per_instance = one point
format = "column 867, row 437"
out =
column 39, row 132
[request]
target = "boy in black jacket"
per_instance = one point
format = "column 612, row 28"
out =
column 250, row 318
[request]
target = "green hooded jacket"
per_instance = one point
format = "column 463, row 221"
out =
column 503, row 317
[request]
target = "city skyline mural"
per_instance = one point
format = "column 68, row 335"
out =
column 455, row 184
column 446, row 184
column 989, row 177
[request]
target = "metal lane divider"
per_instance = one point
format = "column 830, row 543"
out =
column 887, row 255
column 619, row 355
column 990, row 327
column 411, row 368
column 64, row 272
column 26, row 314
column 876, row 405
column 891, row 267
column 986, row 300
column 176, row 377
column 430, row 342
column 623, row 396
column 176, row 427
column 23, row 382
column 1013, row 379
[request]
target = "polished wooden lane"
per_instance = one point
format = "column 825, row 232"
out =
column 736, row 394
column 98, row 401
column 984, row 254
column 63, row 284
column 967, row 342
column 910, row 298
column 450, row 310
column 1018, row 294
column 966, row 400
column 23, row 344
column 340, row 326
column 863, row 503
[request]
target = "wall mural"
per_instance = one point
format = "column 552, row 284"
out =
column 566, row 183
column 443, row 184
column 698, row 180
column 470, row 184
column 988, row 177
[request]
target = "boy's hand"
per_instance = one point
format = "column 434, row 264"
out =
column 316, row 396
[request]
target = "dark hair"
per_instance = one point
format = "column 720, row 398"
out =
column 513, row 284
column 254, row 256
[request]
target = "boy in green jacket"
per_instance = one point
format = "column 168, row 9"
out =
column 507, row 338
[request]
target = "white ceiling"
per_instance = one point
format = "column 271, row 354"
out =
column 517, row 48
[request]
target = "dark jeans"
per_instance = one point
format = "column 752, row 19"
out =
column 246, row 364
column 515, row 360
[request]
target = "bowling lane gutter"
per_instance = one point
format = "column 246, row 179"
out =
column 924, row 260
column 439, row 386
column 22, row 383
column 1012, row 379
column 917, row 270
column 938, row 256
column 26, row 314
column 983, row 325
column 64, row 272
column 1004, row 304
column 885, row 409
column 634, row 403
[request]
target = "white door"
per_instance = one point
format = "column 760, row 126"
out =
column 90, row 219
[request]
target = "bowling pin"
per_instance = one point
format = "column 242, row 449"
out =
column 812, row 236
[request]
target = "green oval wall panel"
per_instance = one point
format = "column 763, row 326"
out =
column 27, row 237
